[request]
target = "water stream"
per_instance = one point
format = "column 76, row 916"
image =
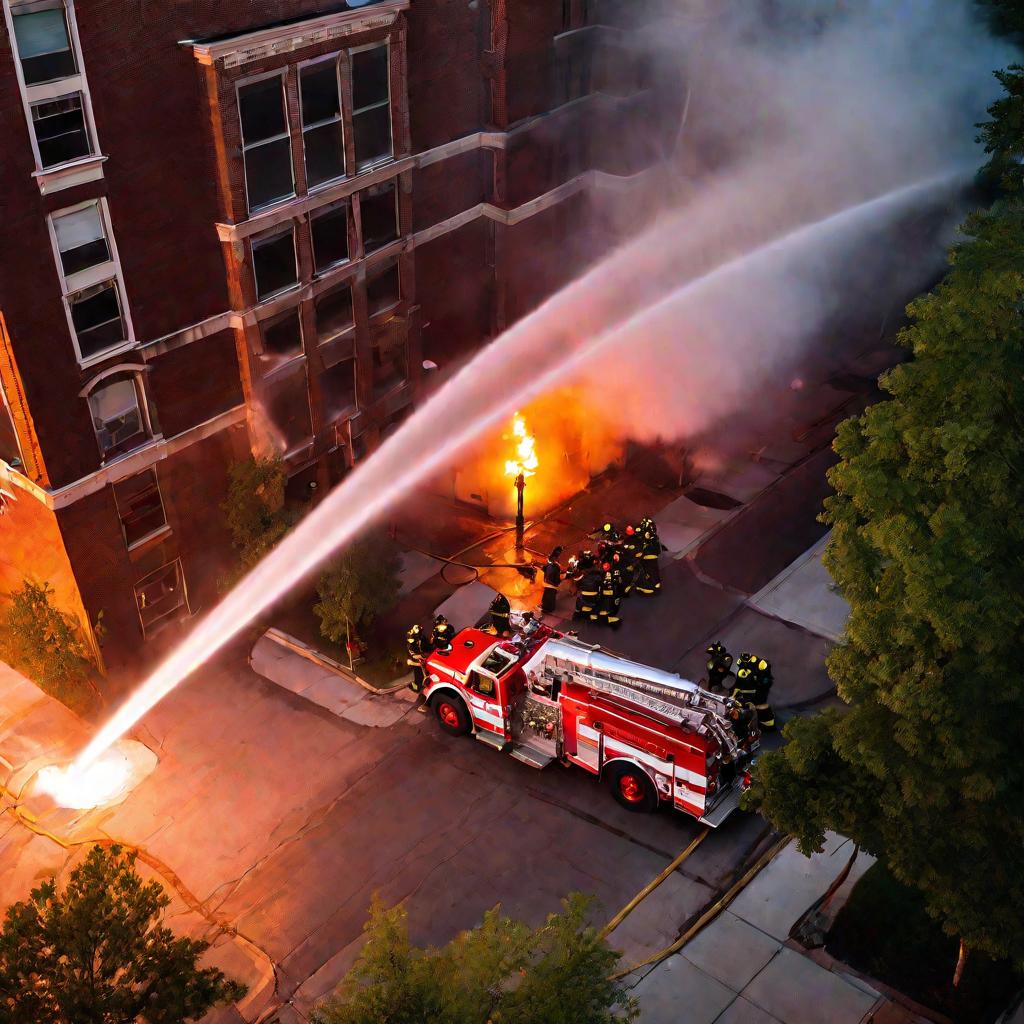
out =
column 575, row 327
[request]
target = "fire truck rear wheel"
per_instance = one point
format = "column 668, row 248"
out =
column 452, row 715
column 632, row 787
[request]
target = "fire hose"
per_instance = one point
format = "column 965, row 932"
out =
column 711, row 913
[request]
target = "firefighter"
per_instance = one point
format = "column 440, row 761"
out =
column 720, row 676
column 588, row 593
column 742, row 718
column 762, row 674
column 648, row 573
column 552, row 580
column 628, row 565
column 443, row 634
column 610, row 600
column 499, row 611
column 745, row 689
column 417, row 648
column 607, row 542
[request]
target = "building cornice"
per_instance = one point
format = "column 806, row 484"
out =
column 125, row 466
column 284, row 39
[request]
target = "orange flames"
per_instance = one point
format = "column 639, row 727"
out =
column 526, row 461
column 558, row 442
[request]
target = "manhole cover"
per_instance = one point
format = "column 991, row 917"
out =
column 711, row 499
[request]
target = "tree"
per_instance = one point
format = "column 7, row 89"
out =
column 924, row 768
column 501, row 972
column 255, row 508
column 98, row 954
column 47, row 645
column 1003, row 135
column 361, row 584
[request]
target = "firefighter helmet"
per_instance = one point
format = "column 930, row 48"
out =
column 440, row 620
column 607, row 528
column 630, row 531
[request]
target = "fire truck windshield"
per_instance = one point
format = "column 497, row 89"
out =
column 498, row 661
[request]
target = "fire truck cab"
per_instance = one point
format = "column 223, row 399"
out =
column 543, row 696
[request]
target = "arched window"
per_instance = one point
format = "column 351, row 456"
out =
column 120, row 412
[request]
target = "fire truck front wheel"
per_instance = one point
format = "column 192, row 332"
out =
column 632, row 787
column 452, row 715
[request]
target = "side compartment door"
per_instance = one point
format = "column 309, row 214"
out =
column 485, row 702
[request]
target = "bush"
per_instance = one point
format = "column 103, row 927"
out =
column 255, row 509
column 47, row 645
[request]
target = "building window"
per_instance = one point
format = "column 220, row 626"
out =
column 334, row 313
column 330, row 237
column 61, row 131
column 322, row 132
column 96, row 317
column 81, row 239
column 161, row 597
column 273, row 264
column 93, row 290
column 118, row 416
column 371, row 106
column 140, row 507
column 287, row 403
column 338, row 387
column 266, row 145
column 282, row 335
column 378, row 213
column 44, row 44
column 382, row 289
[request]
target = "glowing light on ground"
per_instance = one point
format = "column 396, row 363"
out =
column 103, row 781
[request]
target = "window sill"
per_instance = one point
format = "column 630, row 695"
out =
column 142, row 542
column 258, row 211
column 286, row 366
column 144, row 445
column 75, row 172
column 107, row 353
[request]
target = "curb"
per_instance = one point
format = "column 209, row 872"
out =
column 312, row 654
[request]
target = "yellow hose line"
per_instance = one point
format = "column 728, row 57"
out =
column 651, row 886
column 712, row 912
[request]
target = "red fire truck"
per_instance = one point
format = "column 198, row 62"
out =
column 543, row 696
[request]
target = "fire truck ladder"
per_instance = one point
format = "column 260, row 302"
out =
column 664, row 694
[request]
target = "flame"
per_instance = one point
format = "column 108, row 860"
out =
column 526, row 461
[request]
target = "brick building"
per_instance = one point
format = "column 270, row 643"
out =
column 238, row 225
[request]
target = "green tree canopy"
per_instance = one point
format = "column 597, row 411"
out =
column 924, row 769
column 255, row 509
column 501, row 972
column 97, row 953
column 360, row 584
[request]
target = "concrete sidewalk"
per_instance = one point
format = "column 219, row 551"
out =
column 741, row 969
column 294, row 667
column 804, row 594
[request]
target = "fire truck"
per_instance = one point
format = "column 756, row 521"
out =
column 543, row 696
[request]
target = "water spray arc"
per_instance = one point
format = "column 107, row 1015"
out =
column 475, row 400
